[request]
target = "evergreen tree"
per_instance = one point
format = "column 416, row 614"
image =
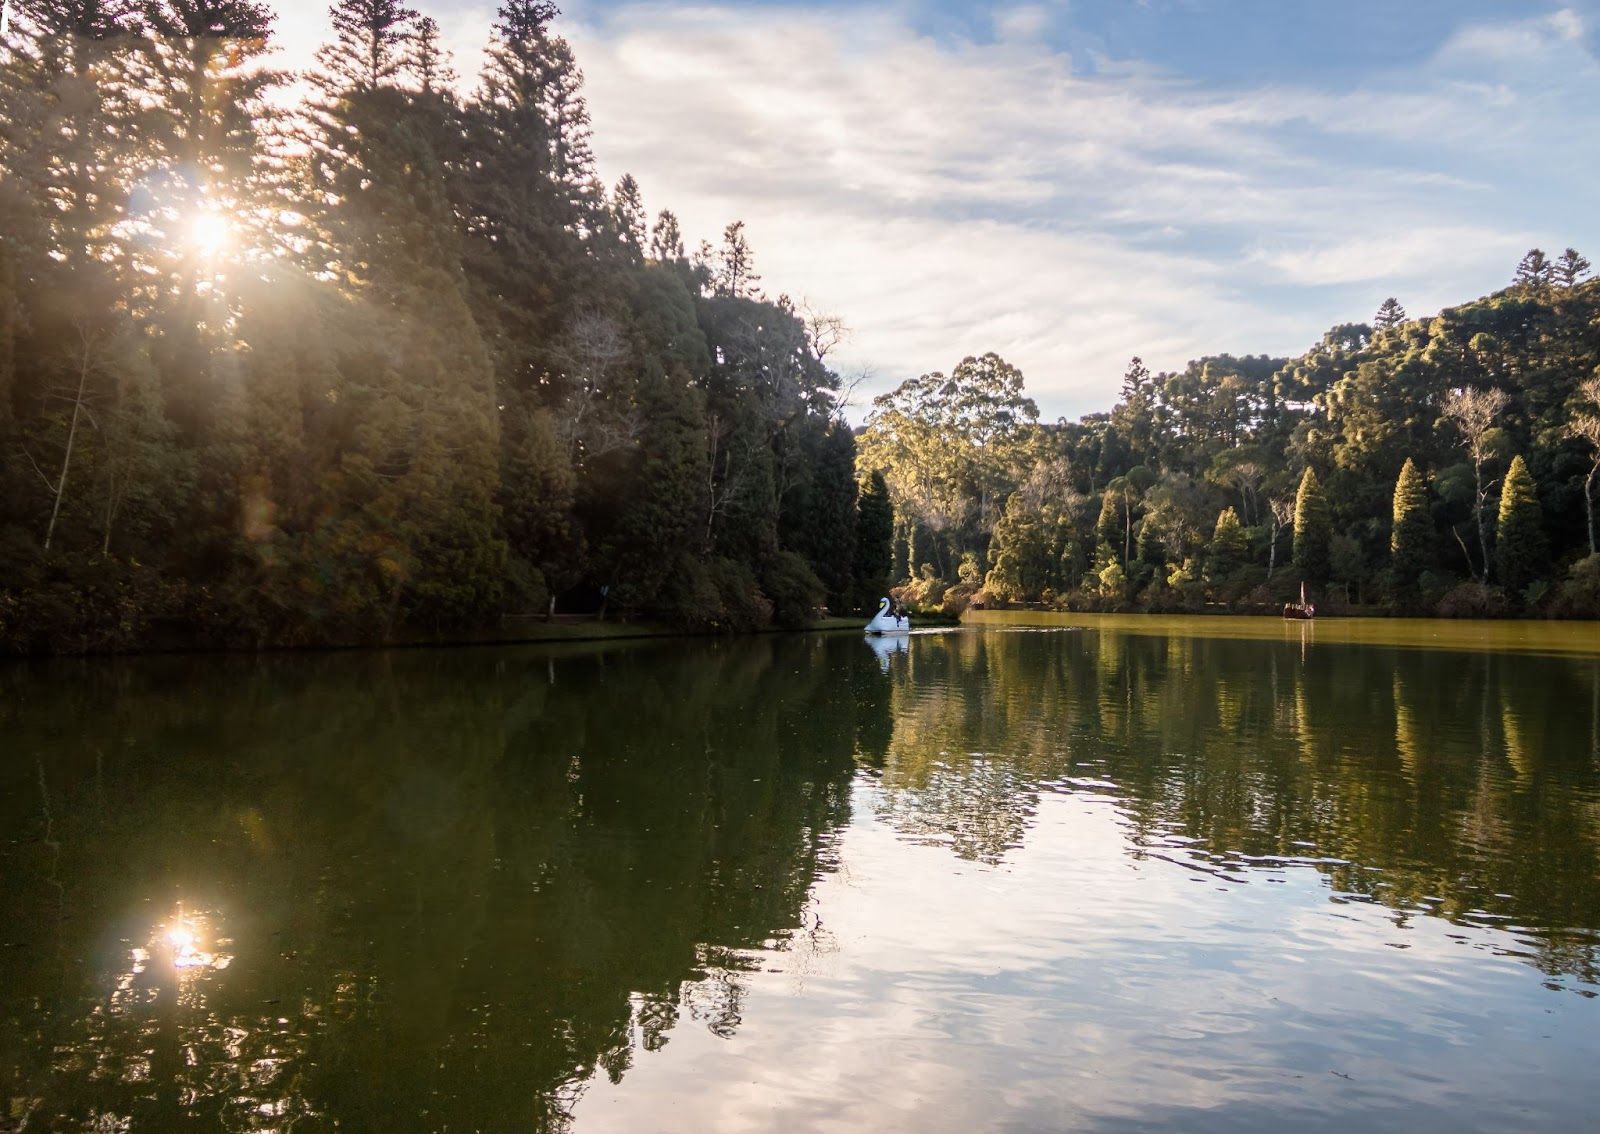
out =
column 874, row 542
column 1152, row 551
column 645, row 554
column 372, row 46
column 1019, row 556
column 1313, row 531
column 735, row 274
column 666, row 241
column 1571, row 268
column 817, row 516
column 427, row 61
column 70, row 130
column 1534, row 270
column 1108, row 529
column 1520, row 545
column 1134, row 416
column 1229, row 549
column 628, row 217
column 1409, row 536
column 1390, row 314
column 210, row 201
column 527, row 197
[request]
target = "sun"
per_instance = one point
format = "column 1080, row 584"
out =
column 209, row 234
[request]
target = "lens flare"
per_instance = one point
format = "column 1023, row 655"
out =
column 208, row 233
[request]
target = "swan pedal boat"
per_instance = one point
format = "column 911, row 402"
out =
column 885, row 623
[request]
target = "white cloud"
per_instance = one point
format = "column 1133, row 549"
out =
column 955, row 198
column 948, row 197
column 1458, row 251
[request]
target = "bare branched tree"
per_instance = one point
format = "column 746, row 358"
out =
column 1282, row 512
column 1586, row 427
column 1245, row 479
column 595, row 417
column 1474, row 413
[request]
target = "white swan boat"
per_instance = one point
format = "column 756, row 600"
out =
column 885, row 622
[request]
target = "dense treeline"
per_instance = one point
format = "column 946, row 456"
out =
column 343, row 356
column 1447, row 465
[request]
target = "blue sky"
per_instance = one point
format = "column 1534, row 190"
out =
column 1070, row 184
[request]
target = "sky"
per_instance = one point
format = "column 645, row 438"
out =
column 1071, row 184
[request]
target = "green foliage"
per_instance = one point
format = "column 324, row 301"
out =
column 1472, row 599
column 393, row 362
column 1229, row 547
column 952, row 449
column 1410, row 535
column 793, row 589
column 1580, row 592
column 1108, row 529
column 874, row 544
column 1313, row 531
column 1520, row 544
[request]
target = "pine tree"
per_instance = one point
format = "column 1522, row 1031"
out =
column 817, row 515
column 206, row 107
column 1152, row 550
column 371, row 48
column 874, row 542
column 1108, row 529
column 666, row 241
column 427, row 61
column 70, row 130
column 735, row 274
column 1313, row 531
column 1571, row 268
column 528, row 197
column 1409, row 536
column 1390, row 314
column 628, row 216
column 1229, row 549
column 645, row 550
column 1534, row 270
column 1520, row 545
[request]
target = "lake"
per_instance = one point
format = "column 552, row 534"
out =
column 1108, row 875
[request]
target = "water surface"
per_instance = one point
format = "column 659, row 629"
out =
column 1109, row 878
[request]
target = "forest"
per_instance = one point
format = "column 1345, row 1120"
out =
column 352, row 356
column 1443, row 465
column 346, row 357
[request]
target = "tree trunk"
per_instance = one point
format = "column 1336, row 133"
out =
column 72, row 433
column 1483, row 534
column 1588, row 502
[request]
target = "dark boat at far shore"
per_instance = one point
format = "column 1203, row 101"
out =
column 1301, row 609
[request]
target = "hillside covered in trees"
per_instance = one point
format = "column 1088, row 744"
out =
column 1446, row 465
column 350, row 356
column 346, row 356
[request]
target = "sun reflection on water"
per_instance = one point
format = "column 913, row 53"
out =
column 185, row 936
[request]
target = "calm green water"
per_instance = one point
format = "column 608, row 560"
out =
column 1098, row 879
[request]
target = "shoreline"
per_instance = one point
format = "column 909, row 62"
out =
column 1562, row 637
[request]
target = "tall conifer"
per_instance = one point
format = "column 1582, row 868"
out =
column 874, row 542
column 1313, row 530
column 1520, row 546
column 1408, row 537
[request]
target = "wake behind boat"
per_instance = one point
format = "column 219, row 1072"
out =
column 887, row 621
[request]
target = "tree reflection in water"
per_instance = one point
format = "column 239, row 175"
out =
column 1463, row 785
column 448, row 889
column 457, row 884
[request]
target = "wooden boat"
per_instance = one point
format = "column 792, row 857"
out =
column 1301, row 609
column 886, row 622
